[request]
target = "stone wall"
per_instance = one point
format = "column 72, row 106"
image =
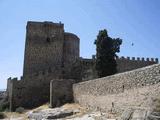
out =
column 61, row 92
column 104, row 93
column 88, row 69
column 131, row 63
column 30, row 91
column 123, row 64
column 50, row 54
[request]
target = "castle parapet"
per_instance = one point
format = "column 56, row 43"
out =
column 12, row 79
column 93, row 57
column 133, row 58
column 138, row 59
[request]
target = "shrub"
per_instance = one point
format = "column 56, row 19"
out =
column 4, row 105
column 20, row 110
column 2, row 116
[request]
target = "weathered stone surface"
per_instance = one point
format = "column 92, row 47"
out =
column 153, row 116
column 50, row 54
column 129, row 89
column 155, row 105
column 139, row 114
column 126, row 115
column 55, row 113
column 61, row 92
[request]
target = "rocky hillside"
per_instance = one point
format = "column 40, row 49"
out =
column 76, row 112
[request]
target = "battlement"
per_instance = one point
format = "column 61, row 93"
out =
column 155, row 60
column 137, row 59
column 52, row 54
column 49, row 23
column 12, row 79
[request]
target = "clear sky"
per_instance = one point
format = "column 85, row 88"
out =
column 134, row 21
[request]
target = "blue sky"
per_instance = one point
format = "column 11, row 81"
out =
column 134, row 21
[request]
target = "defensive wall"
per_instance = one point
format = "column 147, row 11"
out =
column 53, row 54
column 49, row 55
column 130, row 63
column 123, row 64
column 120, row 91
column 35, row 89
column 61, row 92
column 31, row 91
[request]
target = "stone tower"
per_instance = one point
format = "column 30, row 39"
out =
column 49, row 55
column 52, row 56
column 44, row 47
column 48, row 47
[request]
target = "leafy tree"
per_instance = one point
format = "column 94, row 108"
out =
column 106, row 49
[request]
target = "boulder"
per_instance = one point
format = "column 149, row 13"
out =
column 126, row 115
column 55, row 113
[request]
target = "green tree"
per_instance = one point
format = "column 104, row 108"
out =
column 106, row 49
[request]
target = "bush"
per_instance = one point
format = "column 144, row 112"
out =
column 2, row 116
column 4, row 105
column 20, row 110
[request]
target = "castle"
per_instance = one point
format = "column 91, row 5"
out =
column 52, row 64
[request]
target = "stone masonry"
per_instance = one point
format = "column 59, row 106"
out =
column 61, row 92
column 120, row 91
column 51, row 54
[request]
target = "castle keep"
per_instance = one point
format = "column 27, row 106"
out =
column 52, row 64
column 48, row 47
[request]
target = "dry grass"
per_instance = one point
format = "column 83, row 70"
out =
column 13, row 115
column 23, row 116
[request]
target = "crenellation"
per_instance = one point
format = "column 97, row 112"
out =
column 15, row 79
column 21, row 78
column 117, row 57
column 133, row 58
column 152, row 60
column 143, row 59
column 156, row 59
column 128, row 58
column 122, row 58
column 147, row 59
column 93, row 57
column 138, row 59
column 9, row 78
column 53, row 54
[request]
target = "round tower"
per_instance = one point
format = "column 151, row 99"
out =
column 71, row 48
